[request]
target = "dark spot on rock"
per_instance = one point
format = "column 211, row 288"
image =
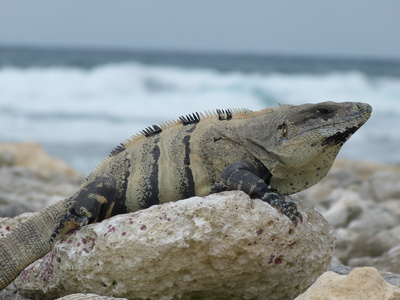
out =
column 111, row 229
column 271, row 258
column 279, row 260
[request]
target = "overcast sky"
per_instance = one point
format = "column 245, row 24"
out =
column 360, row 28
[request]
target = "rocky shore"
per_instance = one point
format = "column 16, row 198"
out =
column 31, row 180
column 360, row 200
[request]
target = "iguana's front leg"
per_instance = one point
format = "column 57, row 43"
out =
column 253, row 181
column 92, row 203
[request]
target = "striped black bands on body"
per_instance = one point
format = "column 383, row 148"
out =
column 188, row 189
column 151, row 190
column 121, row 205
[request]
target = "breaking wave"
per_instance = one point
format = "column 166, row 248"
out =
column 101, row 106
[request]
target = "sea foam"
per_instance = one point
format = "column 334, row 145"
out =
column 106, row 104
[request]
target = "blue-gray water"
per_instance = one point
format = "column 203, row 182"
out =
column 81, row 103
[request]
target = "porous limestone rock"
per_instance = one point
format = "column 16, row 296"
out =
column 339, row 268
column 224, row 246
column 360, row 283
column 88, row 297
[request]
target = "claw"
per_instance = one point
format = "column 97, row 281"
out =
column 289, row 209
column 74, row 220
column 67, row 223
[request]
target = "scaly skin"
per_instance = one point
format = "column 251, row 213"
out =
column 267, row 154
column 29, row 242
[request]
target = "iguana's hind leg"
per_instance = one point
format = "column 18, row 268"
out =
column 254, row 181
column 92, row 203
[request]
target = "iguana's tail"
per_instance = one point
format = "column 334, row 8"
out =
column 28, row 242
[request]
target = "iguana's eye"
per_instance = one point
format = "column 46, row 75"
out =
column 285, row 129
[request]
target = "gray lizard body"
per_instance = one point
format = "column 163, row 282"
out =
column 267, row 154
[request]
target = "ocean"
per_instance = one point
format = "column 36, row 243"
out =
column 80, row 103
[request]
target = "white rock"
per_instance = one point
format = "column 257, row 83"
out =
column 342, row 211
column 361, row 283
column 373, row 220
column 385, row 185
column 224, row 246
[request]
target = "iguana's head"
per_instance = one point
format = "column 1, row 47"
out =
column 306, row 140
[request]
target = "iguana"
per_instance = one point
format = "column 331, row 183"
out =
column 267, row 154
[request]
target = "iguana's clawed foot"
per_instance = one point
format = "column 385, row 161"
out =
column 73, row 220
column 67, row 223
column 289, row 209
